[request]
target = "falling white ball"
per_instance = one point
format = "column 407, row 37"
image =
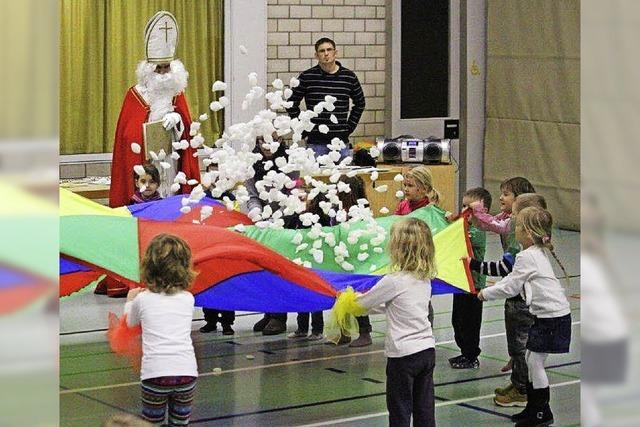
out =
column 139, row 170
column 243, row 50
column 399, row 194
column 323, row 129
column 218, row 85
column 135, row 147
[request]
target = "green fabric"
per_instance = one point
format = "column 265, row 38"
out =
column 102, row 43
column 280, row 241
column 113, row 243
column 479, row 245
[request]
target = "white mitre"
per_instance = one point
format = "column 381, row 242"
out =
column 161, row 38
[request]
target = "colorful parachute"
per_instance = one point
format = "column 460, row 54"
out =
column 251, row 271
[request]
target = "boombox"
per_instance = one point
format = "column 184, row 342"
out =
column 408, row 149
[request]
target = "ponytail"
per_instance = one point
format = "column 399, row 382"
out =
column 548, row 246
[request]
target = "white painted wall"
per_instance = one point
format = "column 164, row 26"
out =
column 245, row 23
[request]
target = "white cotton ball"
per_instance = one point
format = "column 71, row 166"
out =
column 374, row 152
column 384, row 210
column 306, row 264
column 268, row 165
column 184, row 201
column 217, row 371
column 341, row 215
column 378, row 250
column 218, row 85
column 253, row 79
column 318, row 107
column 135, row 147
column 364, row 247
column 195, row 221
column 302, row 247
column 330, row 99
column 175, row 145
column 206, row 210
column 245, row 105
column 278, row 84
column 139, row 170
column 318, row 256
column 184, row 144
column 374, row 175
column 216, row 106
column 352, row 173
column 329, row 107
column 262, row 224
column 399, row 194
column 347, row 266
column 334, row 178
column 240, row 228
column 162, row 154
column 243, row 49
column 362, row 256
column 249, row 357
column 294, row 82
column 267, row 212
column 165, row 165
column 203, row 117
column 317, row 244
column 287, row 104
column 175, row 187
column 195, row 127
column 343, row 187
column 382, row 188
column 297, row 239
column 287, row 93
column 333, row 119
column 175, row 155
column 143, row 188
column 192, row 182
column 185, row 209
column 297, row 261
column 280, row 162
column 224, row 101
column 323, row 129
column 398, row 178
column 330, row 240
column 373, row 268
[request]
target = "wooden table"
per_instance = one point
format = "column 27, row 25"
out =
column 444, row 180
column 87, row 189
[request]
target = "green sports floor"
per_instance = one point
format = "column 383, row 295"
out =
column 272, row 381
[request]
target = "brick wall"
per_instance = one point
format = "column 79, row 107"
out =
column 357, row 27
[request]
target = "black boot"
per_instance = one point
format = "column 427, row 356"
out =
column 259, row 326
column 524, row 413
column 540, row 414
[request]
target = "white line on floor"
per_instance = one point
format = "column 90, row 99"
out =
column 273, row 365
column 438, row 405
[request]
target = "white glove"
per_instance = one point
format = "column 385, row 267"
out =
column 170, row 120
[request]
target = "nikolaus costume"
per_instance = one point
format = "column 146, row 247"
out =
column 139, row 107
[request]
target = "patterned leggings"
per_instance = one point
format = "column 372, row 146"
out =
column 176, row 392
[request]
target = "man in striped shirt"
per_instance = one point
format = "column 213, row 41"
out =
column 329, row 77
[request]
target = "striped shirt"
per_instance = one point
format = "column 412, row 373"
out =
column 315, row 84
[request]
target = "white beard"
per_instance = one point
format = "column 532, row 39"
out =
column 158, row 90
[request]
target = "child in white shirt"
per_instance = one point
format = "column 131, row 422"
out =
column 534, row 279
column 409, row 343
column 165, row 310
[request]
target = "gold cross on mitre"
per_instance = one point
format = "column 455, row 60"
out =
column 161, row 37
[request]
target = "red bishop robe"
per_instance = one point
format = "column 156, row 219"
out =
column 134, row 113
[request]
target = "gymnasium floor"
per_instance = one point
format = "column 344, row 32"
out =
column 274, row 381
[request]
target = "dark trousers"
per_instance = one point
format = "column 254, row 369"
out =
column 517, row 322
column 278, row 316
column 364, row 324
column 317, row 322
column 466, row 319
column 223, row 316
column 410, row 389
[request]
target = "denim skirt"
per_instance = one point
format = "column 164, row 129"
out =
column 550, row 335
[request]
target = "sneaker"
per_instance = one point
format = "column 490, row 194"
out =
column 512, row 398
column 465, row 363
column 297, row 335
column 227, row 330
column 502, row 391
column 274, row 327
column 362, row 341
column 260, row 324
column 315, row 337
column 456, row 359
column 208, row 327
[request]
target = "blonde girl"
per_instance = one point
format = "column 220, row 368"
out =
column 418, row 190
column 404, row 296
column 534, row 279
column 165, row 311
